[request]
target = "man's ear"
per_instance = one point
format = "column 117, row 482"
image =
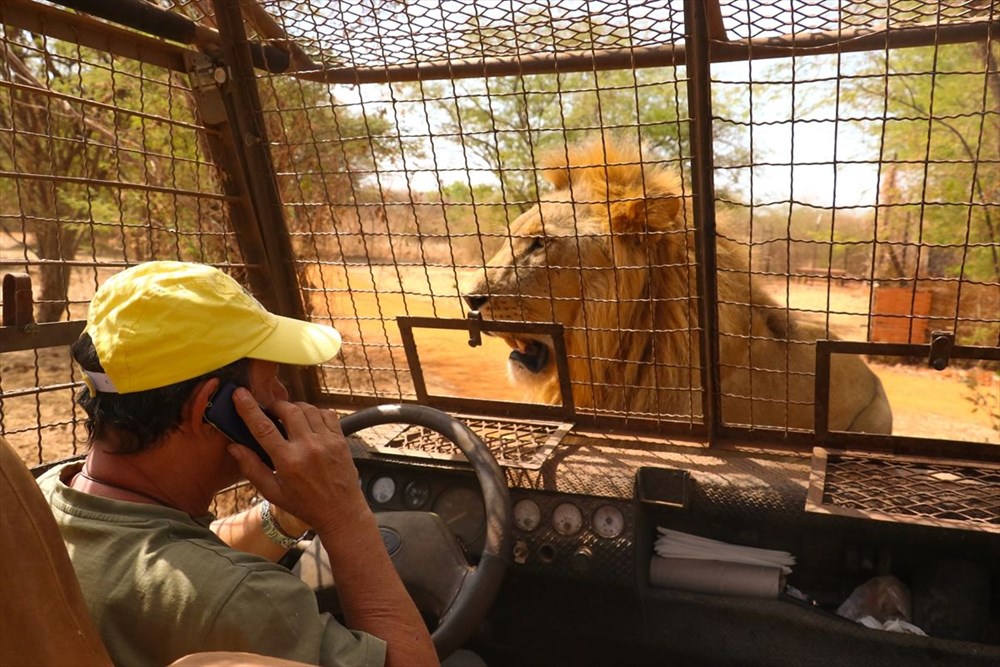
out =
column 193, row 414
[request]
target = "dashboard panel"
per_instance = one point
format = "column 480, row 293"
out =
column 569, row 536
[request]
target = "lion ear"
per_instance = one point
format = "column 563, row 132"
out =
column 558, row 177
column 593, row 166
column 555, row 169
column 636, row 211
column 608, row 171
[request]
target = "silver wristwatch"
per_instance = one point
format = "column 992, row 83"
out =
column 273, row 530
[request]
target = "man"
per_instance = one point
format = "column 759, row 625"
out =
column 160, row 339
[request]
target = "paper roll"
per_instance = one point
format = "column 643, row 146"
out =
column 715, row 577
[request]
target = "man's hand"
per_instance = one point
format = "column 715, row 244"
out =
column 314, row 476
column 315, row 479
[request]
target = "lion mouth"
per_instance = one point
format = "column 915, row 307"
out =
column 531, row 354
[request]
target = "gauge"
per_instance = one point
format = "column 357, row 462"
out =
column 462, row 509
column 567, row 519
column 382, row 489
column 416, row 494
column 527, row 516
column 608, row 521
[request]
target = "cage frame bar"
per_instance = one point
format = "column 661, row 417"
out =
column 900, row 445
column 277, row 278
column 699, row 84
column 511, row 410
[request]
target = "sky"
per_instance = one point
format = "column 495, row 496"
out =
column 835, row 158
column 821, row 147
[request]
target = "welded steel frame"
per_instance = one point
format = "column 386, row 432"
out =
column 705, row 42
column 563, row 412
column 892, row 444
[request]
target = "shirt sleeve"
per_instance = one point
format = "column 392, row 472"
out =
column 272, row 613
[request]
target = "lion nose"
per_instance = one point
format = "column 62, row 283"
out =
column 476, row 301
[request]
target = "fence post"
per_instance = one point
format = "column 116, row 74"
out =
column 699, row 86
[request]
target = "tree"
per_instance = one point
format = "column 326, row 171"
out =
column 109, row 154
column 503, row 125
column 50, row 137
column 940, row 148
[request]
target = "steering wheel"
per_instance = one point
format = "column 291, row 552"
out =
column 427, row 556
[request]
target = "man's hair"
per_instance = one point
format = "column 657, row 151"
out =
column 139, row 420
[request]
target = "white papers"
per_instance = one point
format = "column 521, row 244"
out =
column 675, row 544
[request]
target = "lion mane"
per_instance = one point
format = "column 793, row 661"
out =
column 609, row 253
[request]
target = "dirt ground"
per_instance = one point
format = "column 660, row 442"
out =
column 954, row 403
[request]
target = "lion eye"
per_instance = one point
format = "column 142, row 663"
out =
column 537, row 244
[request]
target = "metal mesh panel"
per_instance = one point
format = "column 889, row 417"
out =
column 748, row 19
column 397, row 35
column 954, row 494
column 377, row 34
column 515, row 444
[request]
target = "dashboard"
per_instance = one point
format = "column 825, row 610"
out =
column 556, row 534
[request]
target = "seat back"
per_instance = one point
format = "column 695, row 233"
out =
column 43, row 618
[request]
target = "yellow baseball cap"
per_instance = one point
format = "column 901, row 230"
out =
column 160, row 323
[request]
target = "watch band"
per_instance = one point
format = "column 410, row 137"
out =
column 273, row 530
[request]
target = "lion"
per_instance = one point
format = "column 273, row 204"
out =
column 608, row 255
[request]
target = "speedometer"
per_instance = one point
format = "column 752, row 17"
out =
column 462, row 509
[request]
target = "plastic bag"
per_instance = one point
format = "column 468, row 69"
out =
column 883, row 598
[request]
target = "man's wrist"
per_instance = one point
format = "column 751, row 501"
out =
column 274, row 530
column 288, row 522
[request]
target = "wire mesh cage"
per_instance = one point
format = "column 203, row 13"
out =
column 921, row 491
column 104, row 164
column 695, row 192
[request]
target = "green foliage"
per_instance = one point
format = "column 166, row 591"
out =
column 134, row 174
column 118, row 136
column 506, row 125
column 941, row 151
column 323, row 152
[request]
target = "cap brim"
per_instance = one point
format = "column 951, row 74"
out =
column 298, row 343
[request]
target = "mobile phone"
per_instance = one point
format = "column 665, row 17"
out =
column 221, row 413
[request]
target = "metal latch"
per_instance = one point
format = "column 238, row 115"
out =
column 475, row 320
column 18, row 306
column 940, row 353
column 207, row 77
column 20, row 331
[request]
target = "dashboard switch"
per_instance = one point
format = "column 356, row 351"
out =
column 581, row 560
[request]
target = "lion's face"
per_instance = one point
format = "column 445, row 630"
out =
column 554, row 257
column 580, row 258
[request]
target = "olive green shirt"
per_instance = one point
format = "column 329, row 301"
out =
column 161, row 585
